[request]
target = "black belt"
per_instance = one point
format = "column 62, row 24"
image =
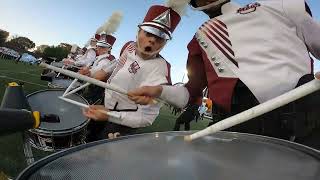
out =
column 123, row 110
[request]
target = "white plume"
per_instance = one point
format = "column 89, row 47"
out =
column 99, row 30
column 87, row 43
column 178, row 5
column 74, row 48
column 113, row 23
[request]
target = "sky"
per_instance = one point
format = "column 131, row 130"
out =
column 51, row 22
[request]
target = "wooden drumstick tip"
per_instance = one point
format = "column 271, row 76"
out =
column 187, row 138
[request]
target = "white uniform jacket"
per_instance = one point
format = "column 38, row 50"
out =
column 87, row 59
column 105, row 62
column 133, row 72
column 264, row 44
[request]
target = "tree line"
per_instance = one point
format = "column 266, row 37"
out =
column 25, row 45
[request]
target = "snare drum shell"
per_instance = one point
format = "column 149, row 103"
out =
column 59, row 142
column 222, row 156
column 48, row 102
column 69, row 132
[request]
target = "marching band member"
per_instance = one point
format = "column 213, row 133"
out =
column 248, row 55
column 89, row 56
column 74, row 51
column 140, row 64
column 93, row 94
column 105, row 61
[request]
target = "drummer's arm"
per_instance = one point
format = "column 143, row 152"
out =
column 307, row 27
column 180, row 96
column 101, row 75
column 87, row 59
column 145, row 114
column 310, row 29
column 196, row 72
column 104, row 73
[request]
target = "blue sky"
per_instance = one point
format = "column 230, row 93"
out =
column 74, row 21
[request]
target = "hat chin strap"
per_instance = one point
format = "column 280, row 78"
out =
column 213, row 4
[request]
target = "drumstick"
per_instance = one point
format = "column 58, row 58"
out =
column 258, row 110
column 61, row 68
column 75, row 90
column 91, row 80
column 73, row 66
column 87, row 106
column 70, row 86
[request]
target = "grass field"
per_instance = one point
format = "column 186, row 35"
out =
column 12, row 160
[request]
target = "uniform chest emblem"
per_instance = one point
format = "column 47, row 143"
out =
column 133, row 68
column 249, row 8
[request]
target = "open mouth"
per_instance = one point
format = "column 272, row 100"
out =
column 148, row 49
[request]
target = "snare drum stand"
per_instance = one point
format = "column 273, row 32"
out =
column 27, row 150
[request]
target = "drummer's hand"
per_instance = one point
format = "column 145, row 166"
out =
column 95, row 113
column 145, row 94
column 84, row 71
column 317, row 75
column 68, row 61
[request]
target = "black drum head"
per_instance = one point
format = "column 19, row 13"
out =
column 164, row 156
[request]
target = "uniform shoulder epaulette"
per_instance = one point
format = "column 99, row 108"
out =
column 125, row 47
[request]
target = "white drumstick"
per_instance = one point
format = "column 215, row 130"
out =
column 73, row 66
column 258, row 110
column 60, row 73
column 90, row 80
column 84, row 78
column 70, row 86
column 76, row 90
column 87, row 106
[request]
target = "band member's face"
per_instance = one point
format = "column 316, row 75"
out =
column 102, row 50
column 150, row 43
column 93, row 43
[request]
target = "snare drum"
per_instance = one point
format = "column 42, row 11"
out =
column 57, row 64
column 58, row 83
column 69, row 132
column 159, row 156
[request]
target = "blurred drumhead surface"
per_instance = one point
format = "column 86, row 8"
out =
column 164, row 156
column 63, row 83
column 47, row 102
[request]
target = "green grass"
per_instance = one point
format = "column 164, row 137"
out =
column 12, row 160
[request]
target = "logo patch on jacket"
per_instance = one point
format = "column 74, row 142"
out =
column 249, row 8
column 133, row 68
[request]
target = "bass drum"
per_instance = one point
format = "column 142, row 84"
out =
column 70, row 131
column 159, row 156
